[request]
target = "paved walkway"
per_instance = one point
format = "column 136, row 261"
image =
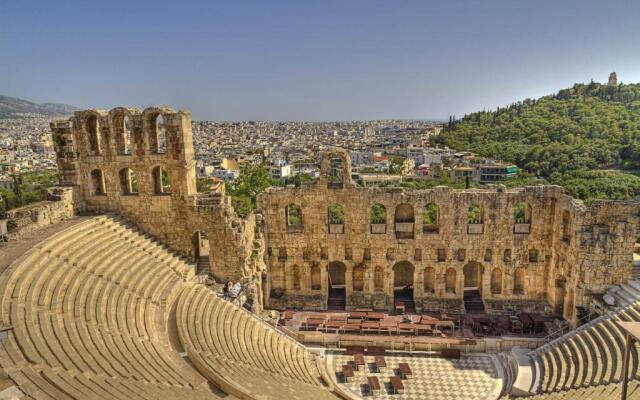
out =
column 472, row 377
column 15, row 248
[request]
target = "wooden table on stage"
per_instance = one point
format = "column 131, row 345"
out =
column 374, row 384
column 358, row 360
column 428, row 319
column 347, row 372
column 406, row 328
column 381, row 363
column 396, row 383
column 424, row 328
column 333, row 325
column 405, row 370
column 313, row 322
column 351, row 328
column 370, row 326
column 389, row 327
column 375, row 316
column 447, row 324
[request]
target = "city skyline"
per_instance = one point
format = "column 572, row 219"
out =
column 334, row 61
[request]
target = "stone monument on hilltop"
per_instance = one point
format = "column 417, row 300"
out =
column 613, row 79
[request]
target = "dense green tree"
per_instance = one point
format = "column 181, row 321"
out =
column 253, row 180
column 584, row 128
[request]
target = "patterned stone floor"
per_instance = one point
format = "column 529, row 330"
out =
column 472, row 377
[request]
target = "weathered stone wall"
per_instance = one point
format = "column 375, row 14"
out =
column 596, row 253
column 94, row 140
column 23, row 220
column 554, row 259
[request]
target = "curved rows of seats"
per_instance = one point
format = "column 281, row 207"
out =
column 88, row 308
column 612, row 391
column 589, row 356
column 242, row 354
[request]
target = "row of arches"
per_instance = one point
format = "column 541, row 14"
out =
column 121, row 125
column 405, row 214
column 128, row 182
column 403, row 278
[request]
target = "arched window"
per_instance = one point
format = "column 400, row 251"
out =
column 91, row 126
column 429, row 280
column 404, row 221
column 430, row 218
column 201, row 247
column 316, row 280
column 97, row 180
column 161, row 181
column 157, row 136
column 358, row 278
column 335, row 178
column 475, row 220
column 294, row 218
column 122, row 129
column 378, row 279
column 533, row 256
column 335, row 216
column 277, row 276
column 126, row 125
column 450, row 280
column 522, row 218
column 295, row 278
column 518, row 281
column 496, row 281
column 378, row 218
column 128, row 182
column 566, row 229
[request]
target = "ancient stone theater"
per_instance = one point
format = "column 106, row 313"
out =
column 128, row 283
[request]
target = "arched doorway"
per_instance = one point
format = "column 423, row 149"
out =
column 473, row 287
column 570, row 299
column 561, row 291
column 472, row 276
column 201, row 251
column 337, row 286
column 403, row 285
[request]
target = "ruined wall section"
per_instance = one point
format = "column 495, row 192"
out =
column 592, row 249
column 58, row 207
column 313, row 245
column 97, row 140
column 562, row 253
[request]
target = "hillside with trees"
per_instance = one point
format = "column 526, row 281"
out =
column 585, row 138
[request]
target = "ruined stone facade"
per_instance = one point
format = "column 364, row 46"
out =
column 532, row 248
column 23, row 220
column 140, row 165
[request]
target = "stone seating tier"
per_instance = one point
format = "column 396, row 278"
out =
column 590, row 356
column 242, row 354
column 88, row 309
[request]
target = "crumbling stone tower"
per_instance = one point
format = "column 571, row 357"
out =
column 140, row 164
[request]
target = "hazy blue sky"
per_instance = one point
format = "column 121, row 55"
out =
column 312, row 60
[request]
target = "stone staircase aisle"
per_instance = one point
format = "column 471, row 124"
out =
column 336, row 300
column 473, row 301
column 202, row 266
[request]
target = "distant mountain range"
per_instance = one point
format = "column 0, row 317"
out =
column 9, row 106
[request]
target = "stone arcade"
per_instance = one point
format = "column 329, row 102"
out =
column 531, row 248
